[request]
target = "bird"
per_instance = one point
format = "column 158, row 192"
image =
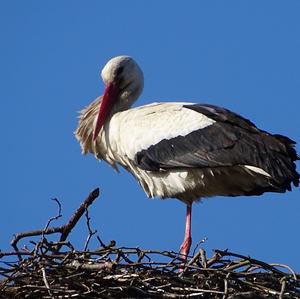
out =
column 183, row 150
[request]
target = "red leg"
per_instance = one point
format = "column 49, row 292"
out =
column 186, row 245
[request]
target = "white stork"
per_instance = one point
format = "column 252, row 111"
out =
column 182, row 150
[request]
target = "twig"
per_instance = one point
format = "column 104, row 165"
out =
column 287, row 267
column 91, row 233
column 77, row 215
column 64, row 229
column 55, row 217
column 283, row 285
column 199, row 243
column 253, row 261
column 226, row 286
column 46, row 282
column 32, row 233
column 192, row 261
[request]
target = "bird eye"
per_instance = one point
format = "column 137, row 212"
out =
column 120, row 70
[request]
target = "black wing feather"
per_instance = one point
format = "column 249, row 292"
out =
column 231, row 140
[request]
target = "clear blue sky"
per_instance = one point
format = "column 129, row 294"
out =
column 243, row 55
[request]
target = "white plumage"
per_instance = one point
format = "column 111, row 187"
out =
column 131, row 131
column 150, row 124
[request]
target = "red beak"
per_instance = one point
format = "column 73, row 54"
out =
column 108, row 100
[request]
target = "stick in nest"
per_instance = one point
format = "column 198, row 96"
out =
column 64, row 230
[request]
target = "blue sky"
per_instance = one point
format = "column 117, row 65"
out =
column 243, row 55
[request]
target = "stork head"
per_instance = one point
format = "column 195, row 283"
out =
column 124, row 83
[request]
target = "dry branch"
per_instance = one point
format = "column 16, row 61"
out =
column 57, row 270
column 65, row 230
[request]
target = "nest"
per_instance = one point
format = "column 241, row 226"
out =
column 57, row 270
